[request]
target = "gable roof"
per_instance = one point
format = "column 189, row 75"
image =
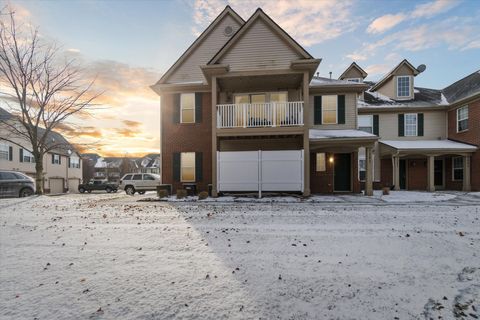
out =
column 463, row 88
column 227, row 11
column 259, row 14
column 392, row 72
column 356, row 66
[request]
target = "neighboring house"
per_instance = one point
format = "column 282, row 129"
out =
column 242, row 111
column 421, row 144
column 149, row 163
column 62, row 166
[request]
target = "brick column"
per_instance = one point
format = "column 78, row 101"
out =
column 467, row 186
column 396, row 172
column 430, row 173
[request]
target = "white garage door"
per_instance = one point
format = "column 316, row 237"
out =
column 260, row 170
column 73, row 185
column 56, row 185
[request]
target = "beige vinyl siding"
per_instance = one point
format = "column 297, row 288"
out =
column 433, row 126
column 190, row 70
column 259, row 48
column 389, row 88
column 350, row 113
column 353, row 73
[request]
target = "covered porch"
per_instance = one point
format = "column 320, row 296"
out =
column 426, row 164
column 334, row 160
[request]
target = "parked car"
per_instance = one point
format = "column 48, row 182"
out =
column 139, row 182
column 15, row 184
column 98, row 185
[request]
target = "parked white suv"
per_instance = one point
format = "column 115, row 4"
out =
column 139, row 182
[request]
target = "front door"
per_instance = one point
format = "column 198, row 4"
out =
column 403, row 174
column 342, row 172
column 438, row 173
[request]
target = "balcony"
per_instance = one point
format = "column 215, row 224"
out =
column 260, row 115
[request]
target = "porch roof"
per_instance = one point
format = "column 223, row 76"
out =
column 427, row 146
column 318, row 134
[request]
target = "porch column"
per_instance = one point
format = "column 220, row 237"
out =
column 430, row 173
column 368, row 172
column 306, row 135
column 396, row 172
column 214, row 137
column 466, row 174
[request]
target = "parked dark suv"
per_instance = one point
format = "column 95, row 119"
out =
column 15, row 184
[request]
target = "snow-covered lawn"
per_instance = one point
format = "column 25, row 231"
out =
column 109, row 257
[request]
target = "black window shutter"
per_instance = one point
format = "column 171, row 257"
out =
column 198, row 107
column 341, row 109
column 176, row 108
column 317, row 110
column 21, row 154
column 176, row 166
column 401, row 125
column 69, row 163
column 59, row 159
column 53, row 158
column 79, row 163
column 376, row 130
column 420, row 124
column 198, row 167
column 10, row 153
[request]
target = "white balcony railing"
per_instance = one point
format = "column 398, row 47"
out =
column 256, row 115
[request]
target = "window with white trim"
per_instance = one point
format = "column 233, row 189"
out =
column 457, row 168
column 365, row 123
column 28, row 156
column 411, row 124
column 358, row 80
column 403, row 86
column 74, row 162
column 187, row 166
column 4, row 151
column 56, row 159
column 462, row 119
column 320, row 162
column 187, row 108
column 329, row 109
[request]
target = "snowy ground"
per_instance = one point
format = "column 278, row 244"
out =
column 104, row 256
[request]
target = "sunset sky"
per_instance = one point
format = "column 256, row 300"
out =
column 127, row 45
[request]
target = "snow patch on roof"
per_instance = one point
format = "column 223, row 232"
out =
column 321, row 81
column 380, row 96
column 428, row 144
column 444, row 100
column 338, row 134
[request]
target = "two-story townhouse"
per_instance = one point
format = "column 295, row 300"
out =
column 62, row 165
column 414, row 151
column 242, row 111
column 464, row 126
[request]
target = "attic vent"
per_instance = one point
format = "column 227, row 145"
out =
column 228, row 31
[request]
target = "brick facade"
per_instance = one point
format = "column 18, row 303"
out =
column 182, row 137
column 471, row 136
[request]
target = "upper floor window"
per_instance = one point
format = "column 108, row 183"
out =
column 358, row 80
column 365, row 123
column 4, row 151
column 187, row 166
column 187, row 108
column 26, row 156
column 56, row 159
column 411, row 124
column 329, row 109
column 403, row 86
column 74, row 162
column 462, row 119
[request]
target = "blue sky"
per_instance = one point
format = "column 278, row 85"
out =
column 131, row 43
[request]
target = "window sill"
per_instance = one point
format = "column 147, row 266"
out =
column 463, row 131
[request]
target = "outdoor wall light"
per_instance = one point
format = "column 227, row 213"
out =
column 330, row 159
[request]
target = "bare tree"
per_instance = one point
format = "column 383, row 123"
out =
column 45, row 86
